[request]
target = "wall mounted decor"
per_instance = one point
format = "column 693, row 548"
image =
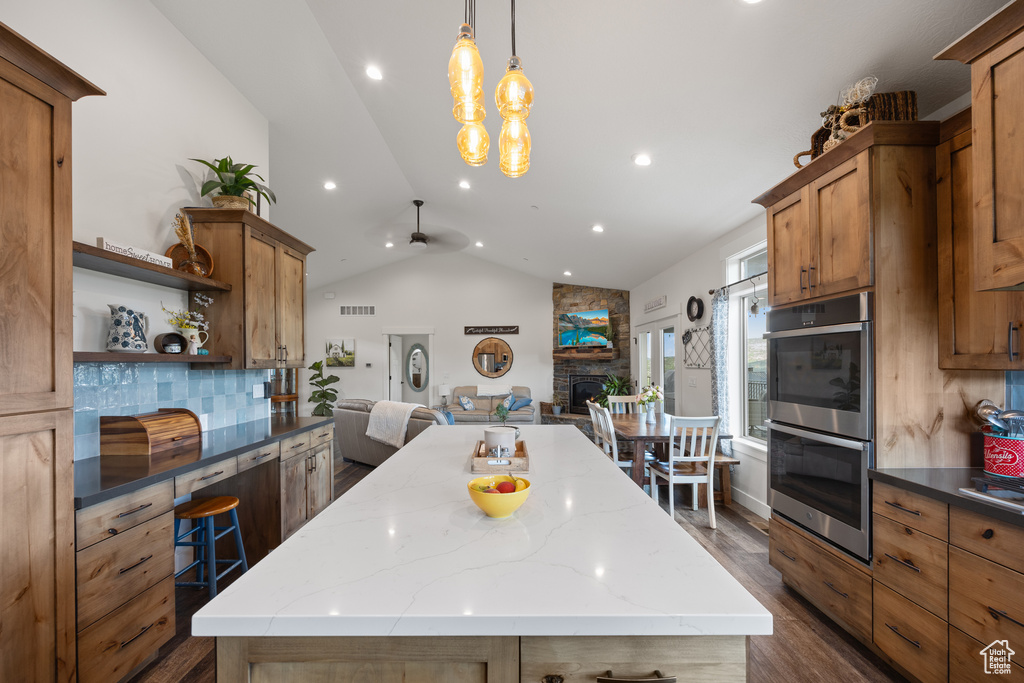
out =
column 697, row 347
column 494, row 329
column 492, row 357
column 416, row 374
column 695, row 308
column 341, row 353
column 586, row 328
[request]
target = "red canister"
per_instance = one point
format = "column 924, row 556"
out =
column 1004, row 455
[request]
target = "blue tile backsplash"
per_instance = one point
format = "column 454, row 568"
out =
column 223, row 397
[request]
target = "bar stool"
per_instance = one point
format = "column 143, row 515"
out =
column 201, row 511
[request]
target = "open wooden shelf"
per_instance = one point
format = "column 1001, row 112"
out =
column 585, row 353
column 102, row 261
column 116, row 357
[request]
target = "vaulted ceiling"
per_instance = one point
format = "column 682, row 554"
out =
column 720, row 93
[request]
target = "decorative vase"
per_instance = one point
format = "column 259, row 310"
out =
column 650, row 414
column 127, row 331
column 193, row 338
column 556, row 410
column 227, row 201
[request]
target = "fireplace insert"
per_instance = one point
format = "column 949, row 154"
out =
column 583, row 388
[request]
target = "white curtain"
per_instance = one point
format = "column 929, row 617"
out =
column 720, row 363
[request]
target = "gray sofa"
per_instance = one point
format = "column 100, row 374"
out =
column 351, row 442
column 484, row 407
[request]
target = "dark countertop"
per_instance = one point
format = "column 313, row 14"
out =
column 95, row 482
column 942, row 483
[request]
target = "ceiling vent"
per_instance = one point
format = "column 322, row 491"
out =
column 359, row 310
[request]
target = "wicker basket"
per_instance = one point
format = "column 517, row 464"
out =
column 545, row 408
column 226, row 201
column 885, row 106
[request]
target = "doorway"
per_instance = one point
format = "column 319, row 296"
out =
column 656, row 358
column 409, row 365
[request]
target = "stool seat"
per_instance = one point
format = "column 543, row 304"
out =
column 205, row 507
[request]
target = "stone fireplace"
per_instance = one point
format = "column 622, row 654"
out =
column 583, row 388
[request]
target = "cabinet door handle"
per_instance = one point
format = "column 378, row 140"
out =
column 786, row 555
column 836, row 590
column 900, row 507
column 1009, row 341
column 656, row 677
column 908, row 565
column 897, row 632
column 128, row 569
column 133, row 511
column 211, row 476
column 125, row 643
column 298, row 445
column 997, row 613
column 285, row 353
column 803, row 271
column 809, row 285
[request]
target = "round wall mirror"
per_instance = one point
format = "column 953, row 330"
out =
column 492, row 357
column 416, row 367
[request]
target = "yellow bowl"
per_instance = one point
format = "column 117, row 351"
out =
column 497, row 505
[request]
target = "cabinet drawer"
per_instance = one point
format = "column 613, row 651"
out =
column 294, row 445
column 911, row 563
column 258, row 456
column 112, row 517
column 579, row 659
column 837, row 586
column 115, row 571
column 911, row 509
column 123, row 639
column 915, row 639
column 197, row 479
column 321, row 435
column 966, row 662
column 994, row 540
column 986, row 600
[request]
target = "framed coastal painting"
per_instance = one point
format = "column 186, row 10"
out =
column 341, row 353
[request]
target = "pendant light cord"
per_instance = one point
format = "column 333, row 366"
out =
column 513, row 28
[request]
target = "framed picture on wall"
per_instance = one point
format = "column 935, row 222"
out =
column 341, row 353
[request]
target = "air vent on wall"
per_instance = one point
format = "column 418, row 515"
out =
column 359, row 310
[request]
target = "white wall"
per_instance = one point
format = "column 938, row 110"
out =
column 444, row 293
column 694, row 276
column 165, row 103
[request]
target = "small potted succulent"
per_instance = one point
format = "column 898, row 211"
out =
column 234, row 184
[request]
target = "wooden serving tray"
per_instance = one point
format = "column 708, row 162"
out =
column 483, row 463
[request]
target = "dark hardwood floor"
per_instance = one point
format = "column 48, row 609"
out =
column 806, row 646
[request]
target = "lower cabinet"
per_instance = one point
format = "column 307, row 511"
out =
column 969, row 660
column 307, row 487
column 913, row 637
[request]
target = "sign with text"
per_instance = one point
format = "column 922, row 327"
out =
column 655, row 304
column 494, row 329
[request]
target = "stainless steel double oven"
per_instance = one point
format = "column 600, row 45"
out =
column 821, row 418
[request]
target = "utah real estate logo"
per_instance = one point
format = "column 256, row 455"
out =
column 997, row 657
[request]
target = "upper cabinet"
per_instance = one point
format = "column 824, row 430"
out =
column 259, row 323
column 821, row 219
column 995, row 51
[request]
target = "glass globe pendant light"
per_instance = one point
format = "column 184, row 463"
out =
column 466, row 73
column 514, row 98
column 473, row 143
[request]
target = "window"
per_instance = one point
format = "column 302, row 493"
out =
column 749, row 366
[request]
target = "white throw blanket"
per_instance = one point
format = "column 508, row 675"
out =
column 494, row 390
column 388, row 422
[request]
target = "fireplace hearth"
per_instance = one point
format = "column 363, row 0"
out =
column 583, row 388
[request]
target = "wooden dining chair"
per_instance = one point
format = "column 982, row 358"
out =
column 603, row 426
column 691, row 453
column 598, row 431
column 622, row 404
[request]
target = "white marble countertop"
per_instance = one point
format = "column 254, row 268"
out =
column 406, row 552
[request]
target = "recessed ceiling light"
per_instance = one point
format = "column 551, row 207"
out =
column 567, row 273
column 464, row 184
column 330, row 185
column 389, row 245
column 374, row 73
column 479, row 244
column 751, row 2
column 597, row 228
column 642, row 159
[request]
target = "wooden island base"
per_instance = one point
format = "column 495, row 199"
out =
column 467, row 659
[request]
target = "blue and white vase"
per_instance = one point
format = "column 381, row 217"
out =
column 128, row 329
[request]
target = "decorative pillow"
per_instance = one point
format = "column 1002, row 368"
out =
column 521, row 403
column 466, row 403
column 508, row 401
column 448, row 416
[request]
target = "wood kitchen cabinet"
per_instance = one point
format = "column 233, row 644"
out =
column 307, row 478
column 37, row 537
column 995, row 51
column 978, row 330
column 260, row 322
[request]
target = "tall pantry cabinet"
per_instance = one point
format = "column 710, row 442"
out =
column 37, row 516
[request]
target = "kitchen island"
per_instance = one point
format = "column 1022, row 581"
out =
column 405, row 577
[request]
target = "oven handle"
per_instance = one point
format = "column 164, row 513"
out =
column 821, row 438
column 826, row 329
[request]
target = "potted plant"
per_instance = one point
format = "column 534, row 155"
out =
column 613, row 386
column 556, row 405
column 323, row 395
column 232, row 183
column 501, row 412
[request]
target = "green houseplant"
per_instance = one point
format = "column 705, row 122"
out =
column 501, row 412
column 233, row 180
column 323, row 395
column 613, row 386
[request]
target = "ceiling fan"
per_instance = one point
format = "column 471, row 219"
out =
column 418, row 240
